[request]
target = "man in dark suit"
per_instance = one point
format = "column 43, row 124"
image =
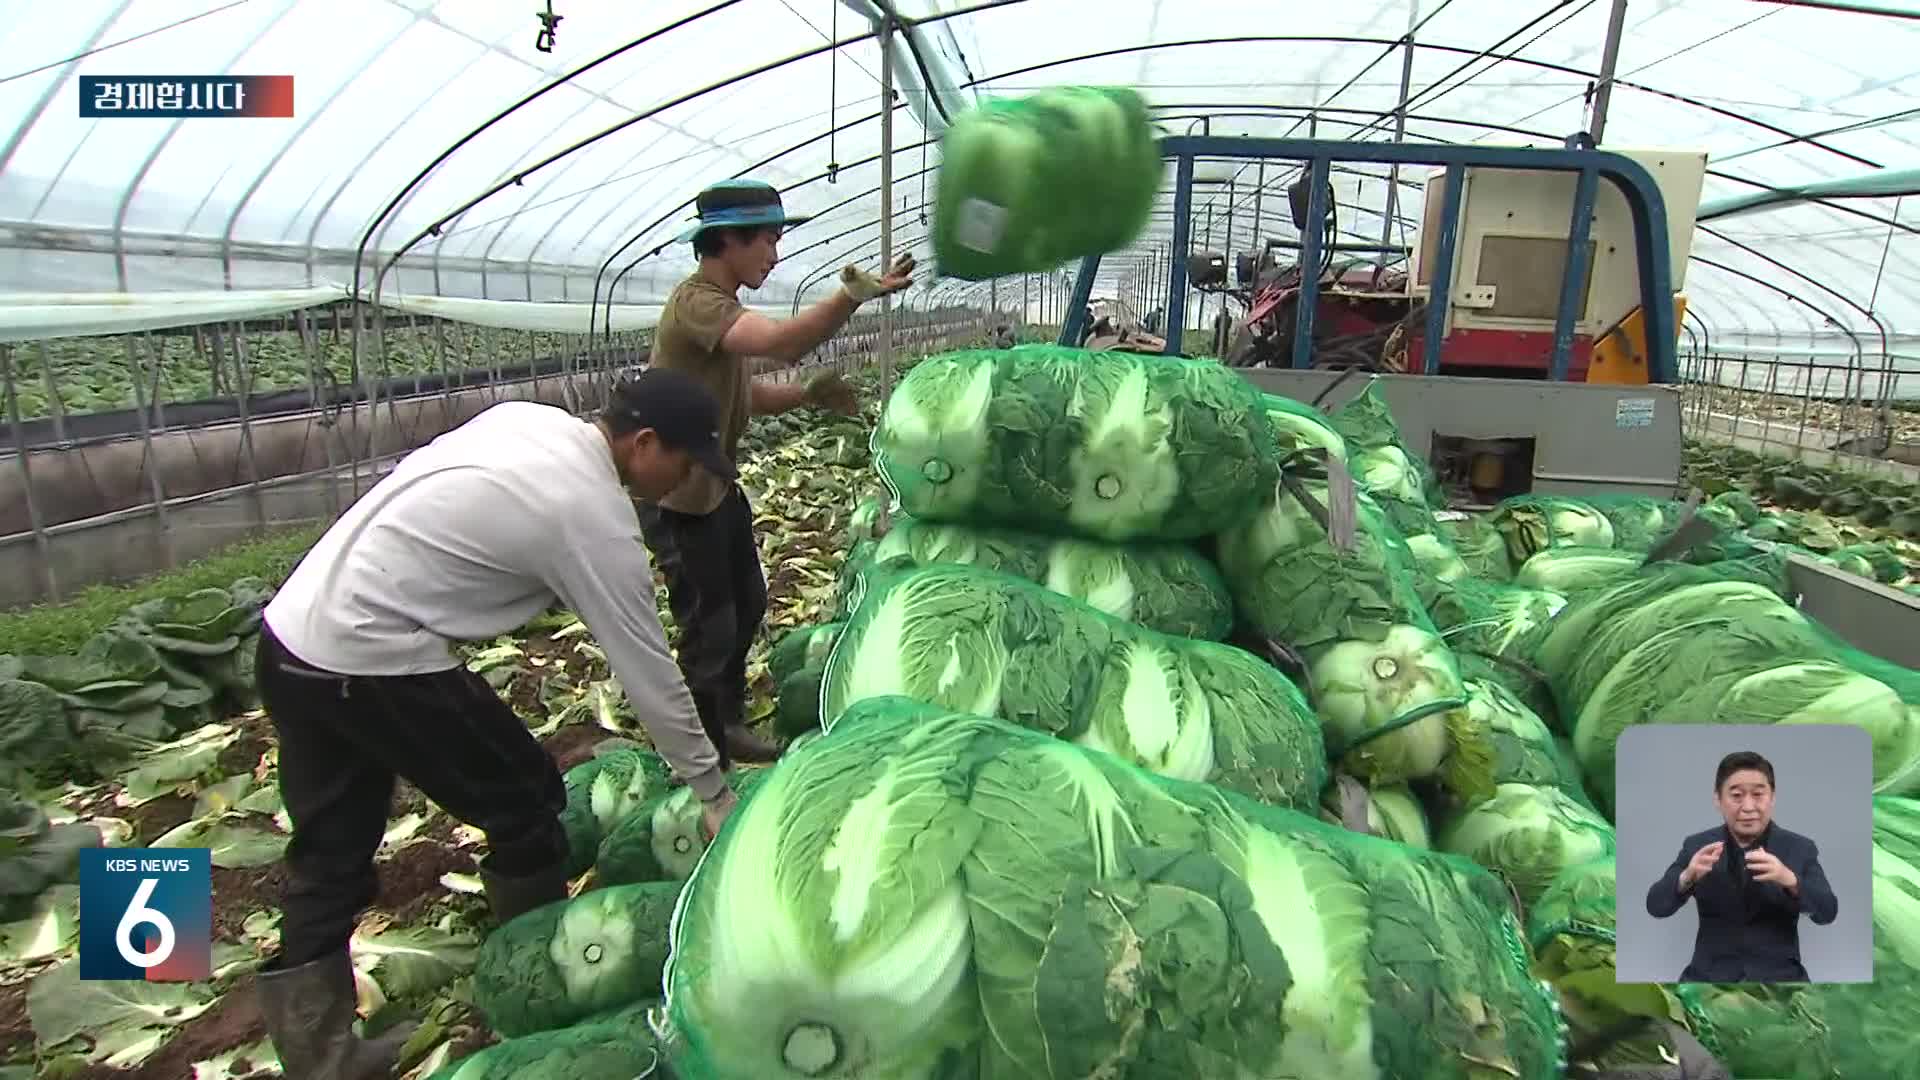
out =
column 1750, row 880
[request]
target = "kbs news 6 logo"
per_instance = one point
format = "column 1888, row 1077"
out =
column 146, row 913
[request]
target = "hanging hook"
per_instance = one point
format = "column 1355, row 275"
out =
column 549, row 27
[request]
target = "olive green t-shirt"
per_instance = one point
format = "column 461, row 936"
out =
column 697, row 316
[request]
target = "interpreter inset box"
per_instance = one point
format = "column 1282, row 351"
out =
column 1744, row 854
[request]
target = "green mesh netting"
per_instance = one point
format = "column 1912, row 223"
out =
column 1575, row 568
column 1834, row 1031
column 1386, row 466
column 1528, row 833
column 1477, row 542
column 1716, row 644
column 1027, row 184
column 619, row 1044
column 1630, row 523
column 989, row 643
column 1299, row 426
column 1525, row 750
column 601, row 792
column 1384, row 683
column 1109, row 446
column 797, row 671
column 923, row 893
column 563, row 962
column 1162, row 585
column 664, row 839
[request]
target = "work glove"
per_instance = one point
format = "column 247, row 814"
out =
column 863, row 286
column 829, row 391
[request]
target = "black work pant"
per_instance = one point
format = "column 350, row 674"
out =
column 344, row 739
column 718, row 595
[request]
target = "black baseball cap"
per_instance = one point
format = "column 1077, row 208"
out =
column 678, row 408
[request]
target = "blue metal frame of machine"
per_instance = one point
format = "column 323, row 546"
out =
column 1642, row 193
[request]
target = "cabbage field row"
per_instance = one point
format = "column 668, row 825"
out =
column 97, row 374
column 1130, row 737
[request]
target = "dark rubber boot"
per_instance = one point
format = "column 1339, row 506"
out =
column 309, row 1011
column 744, row 745
column 509, row 897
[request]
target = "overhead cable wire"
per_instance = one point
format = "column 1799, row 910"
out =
column 123, row 41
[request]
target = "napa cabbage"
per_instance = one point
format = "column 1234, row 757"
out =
column 1162, row 585
column 1108, row 446
column 1533, row 523
column 977, row 641
column 1528, row 833
column 923, row 894
column 1570, row 568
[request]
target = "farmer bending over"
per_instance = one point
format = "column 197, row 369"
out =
column 469, row 537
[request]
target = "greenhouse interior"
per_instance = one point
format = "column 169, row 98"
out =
column 1319, row 647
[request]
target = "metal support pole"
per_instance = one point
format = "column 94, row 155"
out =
column 40, row 543
column 1076, row 321
column 57, row 409
column 243, row 386
column 1176, row 263
column 150, row 463
column 1399, row 135
column 1573, row 278
column 1609, row 59
column 1259, row 223
column 886, row 198
column 1439, row 294
column 1220, row 339
column 1200, row 307
column 1313, row 238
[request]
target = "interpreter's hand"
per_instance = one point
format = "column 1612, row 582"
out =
column 1701, row 863
column 1764, row 867
column 863, row 286
column 714, row 814
column 829, row 390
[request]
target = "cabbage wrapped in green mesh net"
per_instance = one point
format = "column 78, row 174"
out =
column 796, row 664
column 1477, row 542
column 1384, row 683
column 1026, row 184
column 1572, row 568
column 1630, row 523
column 1572, row 930
column 601, row 792
column 988, row 643
column 1299, row 426
column 1528, row 833
column 1394, row 811
column 920, row 893
column 1162, row 585
column 1525, row 750
column 1717, row 645
column 619, row 1043
column 664, row 840
column 1492, row 619
column 1108, row 446
column 1387, row 468
column 563, row 962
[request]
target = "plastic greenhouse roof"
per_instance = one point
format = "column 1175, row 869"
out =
column 1778, row 94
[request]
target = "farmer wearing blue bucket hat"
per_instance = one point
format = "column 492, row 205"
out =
column 702, row 533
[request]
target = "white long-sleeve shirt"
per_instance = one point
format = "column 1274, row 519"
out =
column 470, row 537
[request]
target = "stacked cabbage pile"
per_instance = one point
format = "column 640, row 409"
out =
column 923, row 893
column 1169, row 728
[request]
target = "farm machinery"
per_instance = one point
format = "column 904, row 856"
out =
column 1513, row 368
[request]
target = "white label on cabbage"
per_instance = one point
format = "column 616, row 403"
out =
column 1633, row 412
column 1450, row 515
column 981, row 226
